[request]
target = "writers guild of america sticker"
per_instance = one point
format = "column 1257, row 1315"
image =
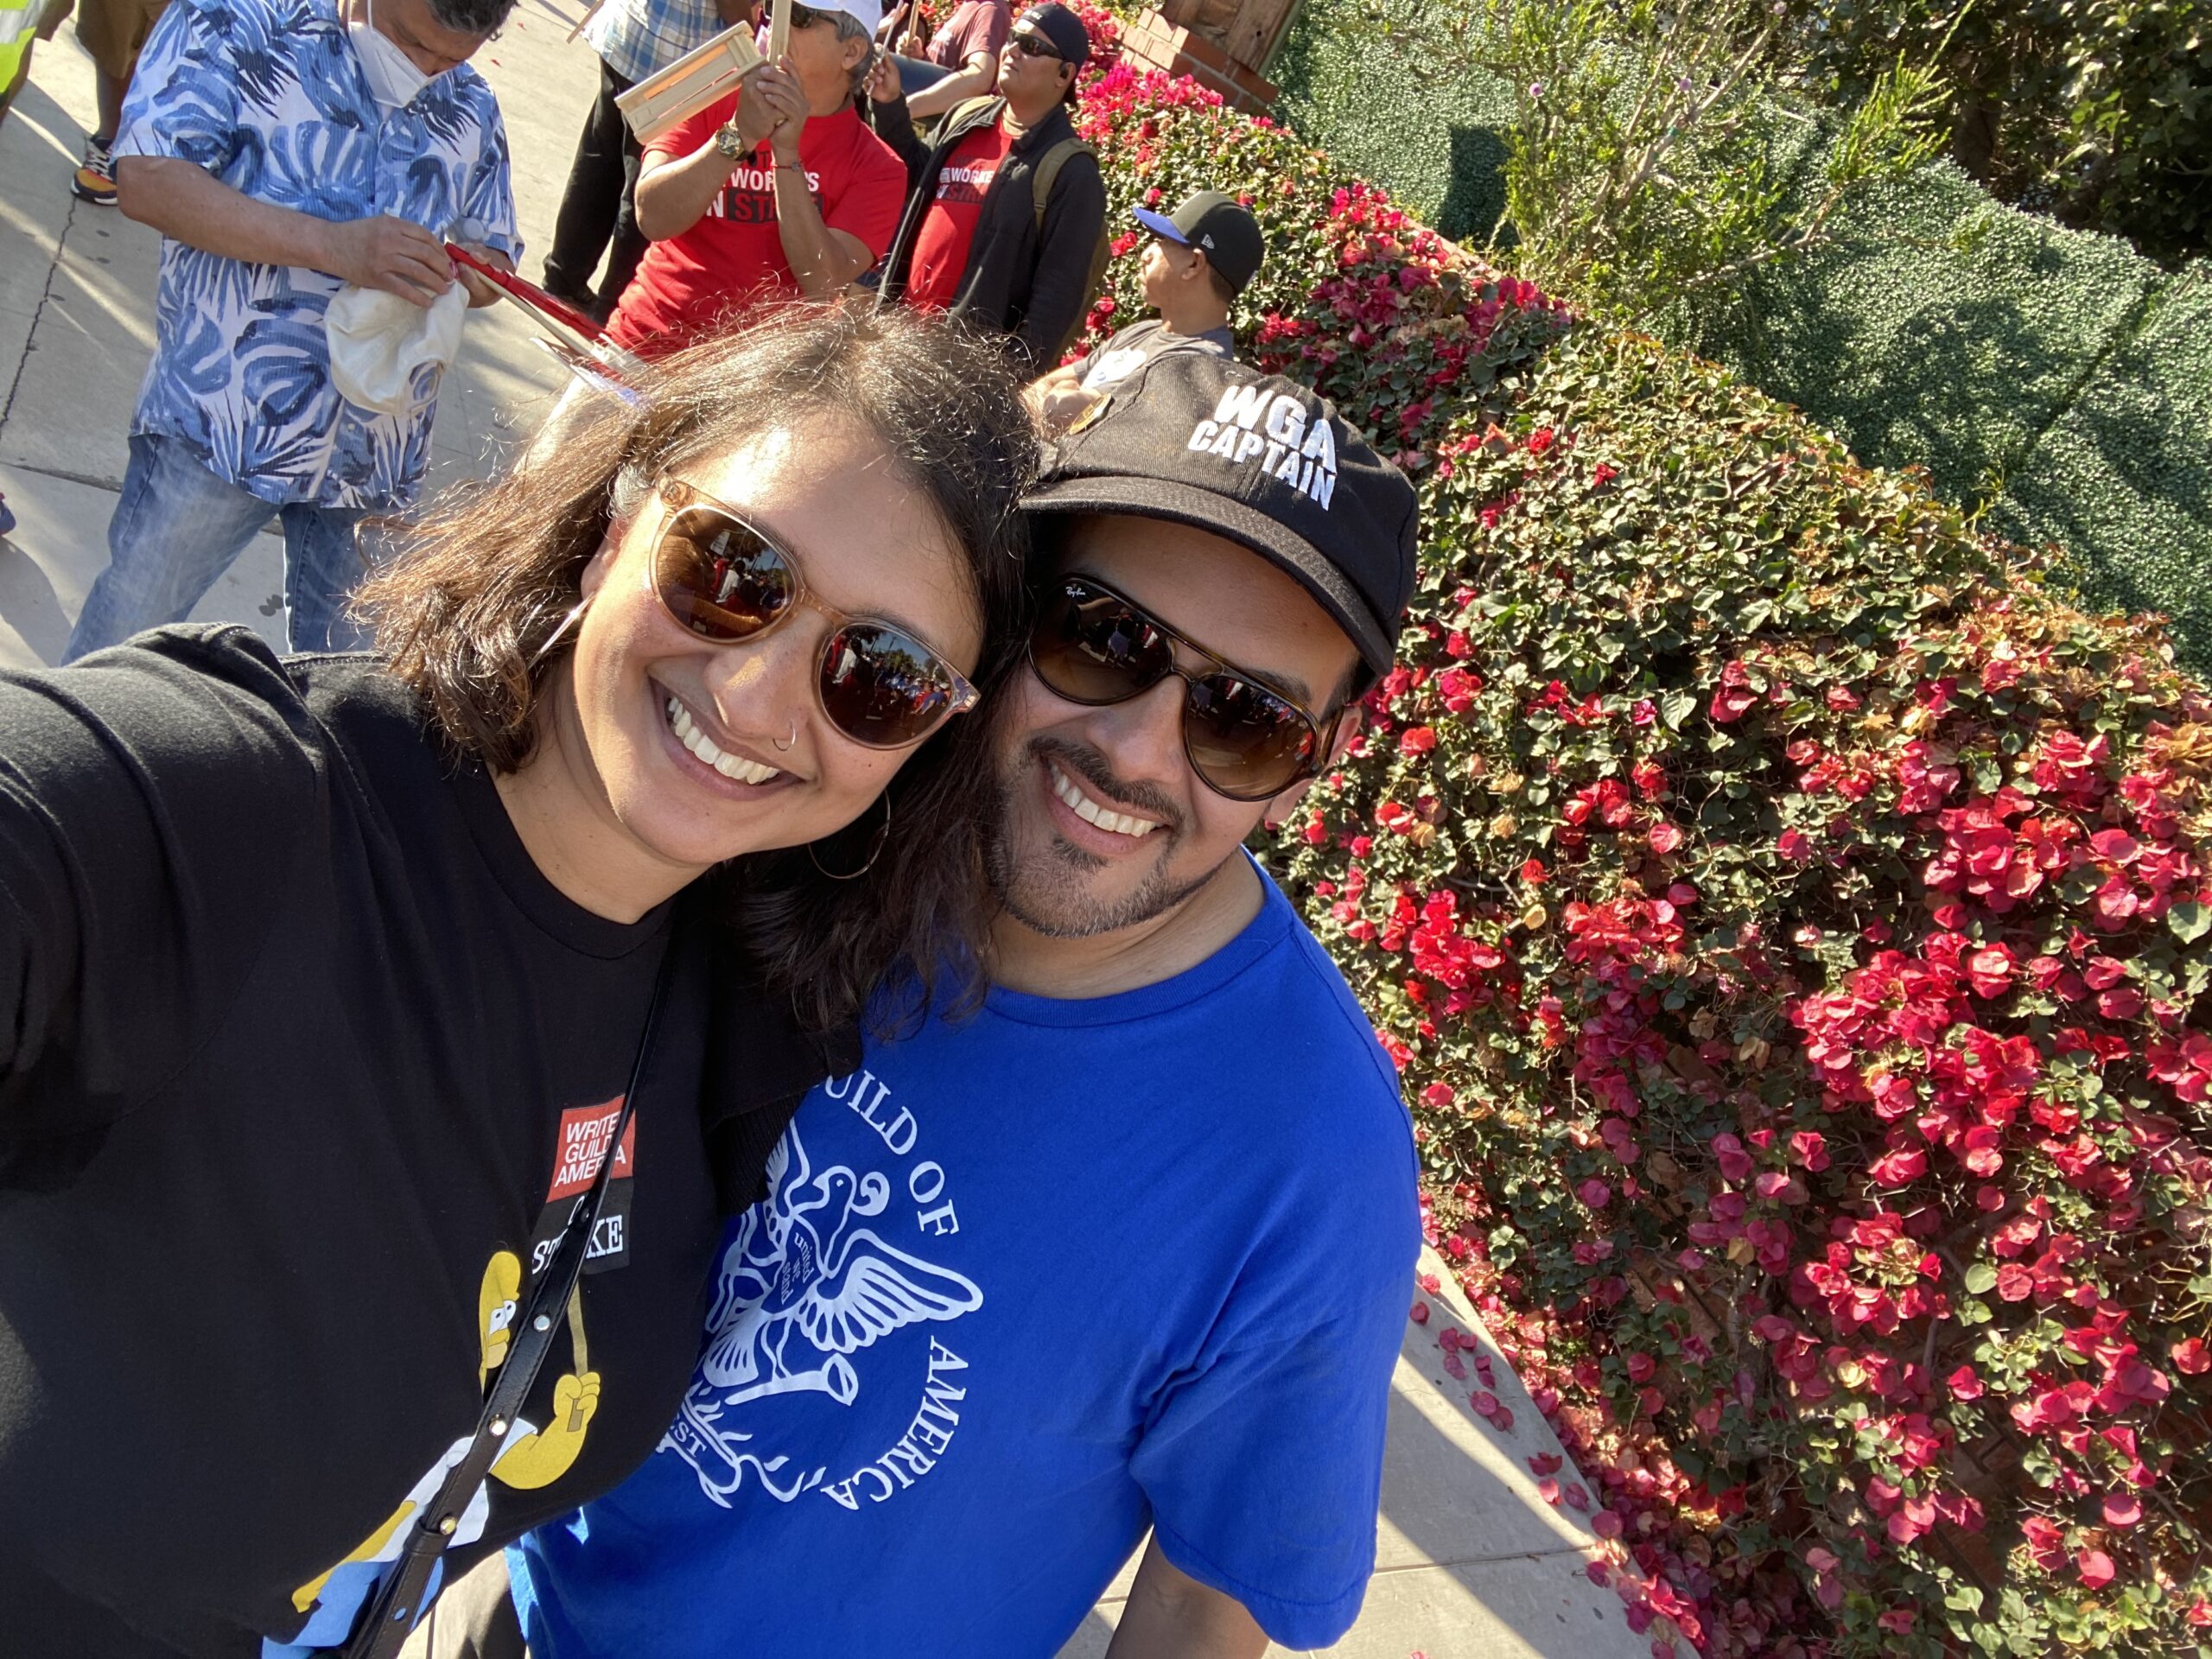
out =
column 584, row 1134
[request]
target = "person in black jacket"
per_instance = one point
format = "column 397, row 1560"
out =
column 972, row 242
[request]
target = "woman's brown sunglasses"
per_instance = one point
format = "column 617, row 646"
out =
column 727, row 582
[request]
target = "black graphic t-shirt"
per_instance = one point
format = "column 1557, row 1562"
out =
column 302, row 1064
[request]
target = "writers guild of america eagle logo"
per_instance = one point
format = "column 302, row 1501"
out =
column 803, row 1291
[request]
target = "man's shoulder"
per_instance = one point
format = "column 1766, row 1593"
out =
column 1129, row 339
column 1285, row 1028
column 466, row 91
column 262, row 25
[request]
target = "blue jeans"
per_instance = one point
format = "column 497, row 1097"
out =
column 178, row 527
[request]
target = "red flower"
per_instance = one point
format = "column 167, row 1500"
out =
column 1665, row 837
column 2045, row 1542
column 2192, row 1358
column 1990, row 971
column 1898, row 1168
column 2096, row 1567
column 1734, row 697
column 1417, row 739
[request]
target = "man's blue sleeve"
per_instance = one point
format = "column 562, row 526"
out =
column 183, row 101
column 1264, row 1469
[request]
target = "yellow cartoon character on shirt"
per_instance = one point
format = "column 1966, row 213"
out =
column 531, row 1458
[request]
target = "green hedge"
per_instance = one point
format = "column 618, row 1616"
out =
column 2128, row 468
column 1951, row 348
column 1439, row 151
column 2052, row 376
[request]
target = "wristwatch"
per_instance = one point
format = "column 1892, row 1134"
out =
column 729, row 141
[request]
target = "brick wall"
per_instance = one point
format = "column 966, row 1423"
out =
column 1154, row 42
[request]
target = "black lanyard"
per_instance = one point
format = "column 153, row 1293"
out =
column 392, row 1612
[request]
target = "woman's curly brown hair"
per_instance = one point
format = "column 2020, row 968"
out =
column 465, row 613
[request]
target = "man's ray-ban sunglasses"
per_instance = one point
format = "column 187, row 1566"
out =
column 1092, row 645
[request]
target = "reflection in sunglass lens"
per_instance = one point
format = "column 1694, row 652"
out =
column 1101, row 648
column 720, row 578
column 1031, row 46
column 728, row 583
column 1243, row 739
column 882, row 686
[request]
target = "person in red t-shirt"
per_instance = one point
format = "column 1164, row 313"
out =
column 971, row 243
column 968, row 43
column 778, row 190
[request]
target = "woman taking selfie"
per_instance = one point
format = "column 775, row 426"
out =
column 327, row 983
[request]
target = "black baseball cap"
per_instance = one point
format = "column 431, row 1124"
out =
column 1062, row 28
column 1200, row 440
column 1219, row 226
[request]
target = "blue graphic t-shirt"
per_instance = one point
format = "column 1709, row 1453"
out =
column 1023, row 1285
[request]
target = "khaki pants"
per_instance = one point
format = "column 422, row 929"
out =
column 473, row 1619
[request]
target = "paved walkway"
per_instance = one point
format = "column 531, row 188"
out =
column 1472, row 1564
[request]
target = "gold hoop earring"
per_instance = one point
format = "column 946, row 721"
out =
column 874, row 849
column 786, row 745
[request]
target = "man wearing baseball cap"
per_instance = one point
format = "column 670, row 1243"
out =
column 1129, row 1247
column 1199, row 259
column 1007, row 207
column 777, row 191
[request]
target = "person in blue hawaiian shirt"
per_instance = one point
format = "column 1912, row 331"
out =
column 287, row 149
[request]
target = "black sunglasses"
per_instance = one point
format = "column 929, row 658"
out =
column 1091, row 645
column 729, row 584
column 1031, row 46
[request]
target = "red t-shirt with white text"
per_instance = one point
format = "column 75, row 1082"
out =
column 941, row 246
column 733, row 259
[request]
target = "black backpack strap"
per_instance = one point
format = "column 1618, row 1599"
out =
column 392, row 1611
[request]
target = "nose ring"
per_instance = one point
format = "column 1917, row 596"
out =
column 784, row 747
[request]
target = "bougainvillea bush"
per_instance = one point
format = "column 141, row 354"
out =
column 1790, row 920
column 1375, row 311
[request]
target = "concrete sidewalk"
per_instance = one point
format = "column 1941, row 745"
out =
column 1471, row 1563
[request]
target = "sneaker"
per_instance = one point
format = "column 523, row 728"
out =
column 95, row 180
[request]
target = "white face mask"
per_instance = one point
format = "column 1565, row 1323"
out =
column 392, row 75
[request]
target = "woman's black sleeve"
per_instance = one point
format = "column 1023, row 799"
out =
column 152, row 800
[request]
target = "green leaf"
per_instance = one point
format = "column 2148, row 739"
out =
column 1981, row 1278
column 2189, row 920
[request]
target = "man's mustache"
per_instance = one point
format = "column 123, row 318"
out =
column 1086, row 763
